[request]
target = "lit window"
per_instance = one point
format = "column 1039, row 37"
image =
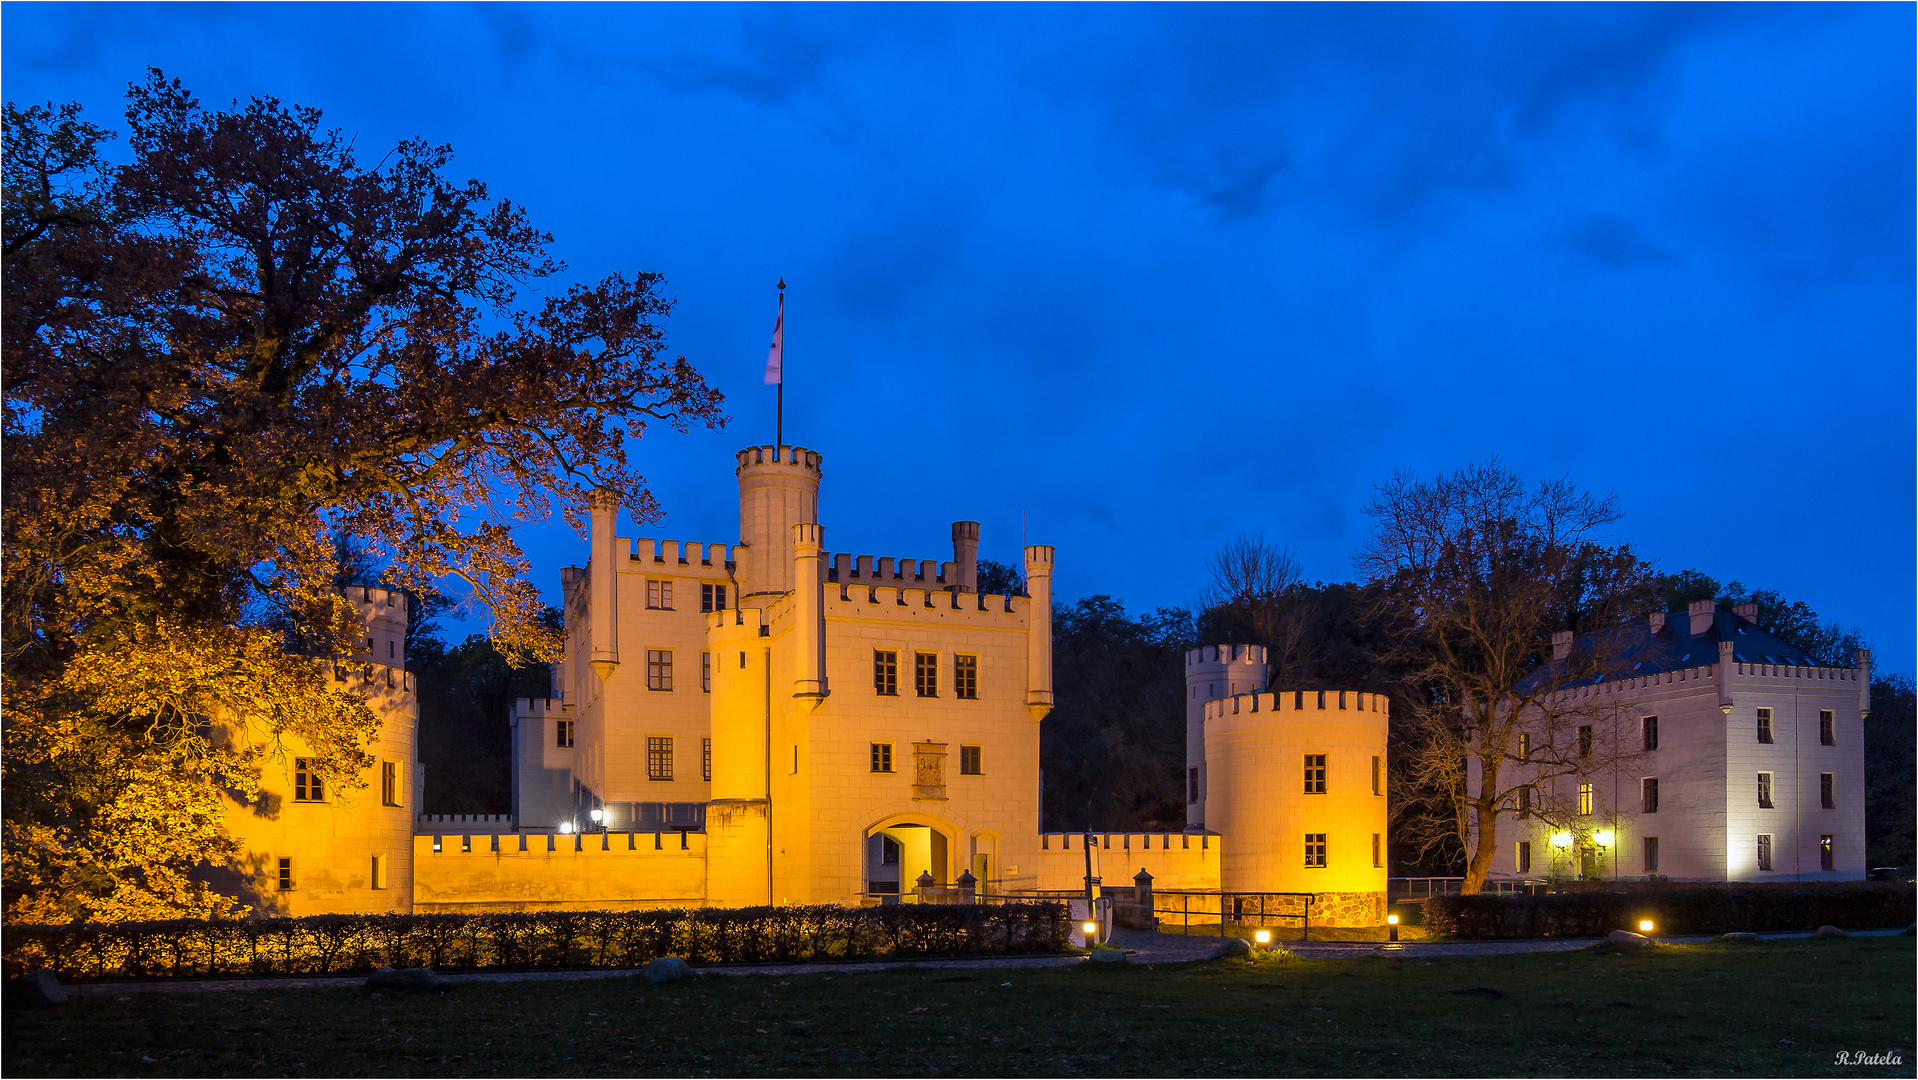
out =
column 1764, row 790
column 1584, row 798
column 285, row 883
column 965, row 677
column 1585, row 741
column 1826, row 860
column 389, row 783
column 1315, row 849
column 882, row 757
column 1648, row 795
column 659, row 594
column 379, row 871
column 925, row 672
column 1651, row 854
column 1315, row 774
column 1764, row 725
column 1764, row 851
column 1525, row 748
column 659, row 757
column 1524, row 856
column 969, row 761
column 712, row 598
column 885, row 672
column 1649, row 730
column 307, row 785
column 562, row 733
column 1827, row 728
column 706, row 673
column 1827, row 797
column 706, row 759
column 659, row 669
column 1378, row 777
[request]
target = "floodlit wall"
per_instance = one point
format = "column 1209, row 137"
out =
column 551, row 871
column 1175, row 860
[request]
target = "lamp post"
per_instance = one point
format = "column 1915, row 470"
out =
column 1392, row 924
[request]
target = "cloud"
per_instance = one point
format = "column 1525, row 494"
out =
column 1614, row 242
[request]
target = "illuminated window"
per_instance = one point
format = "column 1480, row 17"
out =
column 562, row 733
column 1378, row 778
column 1584, row 798
column 1651, row 854
column 659, row 594
column 1315, row 849
column 882, row 757
column 706, row 673
column 969, row 761
column 389, row 783
column 965, row 677
column 1525, row 748
column 1192, row 785
column 379, row 871
column 1648, row 730
column 1524, row 802
column 307, row 786
column 1524, row 856
column 1827, row 797
column 1827, row 728
column 1315, row 774
column 1764, row 790
column 659, row 757
column 285, row 882
column 925, row 674
column 1764, row 851
column 1825, row 858
column 659, row 669
column 1764, row 725
column 1585, row 740
column 1648, row 795
column 712, row 598
column 706, row 759
column 885, row 672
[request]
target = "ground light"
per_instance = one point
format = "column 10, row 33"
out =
column 1092, row 932
column 1263, row 937
column 1644, row 926
column 1392, row 923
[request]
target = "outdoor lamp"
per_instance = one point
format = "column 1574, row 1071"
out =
column 1392, row 922
column 565, row 827
column 1561, row 839
column 1644, row 926
column 1603, row 838
column 599, row 815
column 1263, row 937
column 1091, row 929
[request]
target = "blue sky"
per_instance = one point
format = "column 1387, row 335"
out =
column 1151, row 277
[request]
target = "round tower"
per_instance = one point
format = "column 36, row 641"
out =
column 1297, row 785
column 778, row 488
column 1213, row 672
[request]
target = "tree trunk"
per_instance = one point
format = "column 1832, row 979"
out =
column 1484, row 849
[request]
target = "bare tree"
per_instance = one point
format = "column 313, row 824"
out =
column 1486, row 572
column 1254, row 585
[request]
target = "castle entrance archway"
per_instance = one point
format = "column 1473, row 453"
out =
column 900, row 848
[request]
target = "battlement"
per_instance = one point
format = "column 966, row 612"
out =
column 378, row 600
column 427, row 824
column 883, row 597
column 865, row 569
column 793, row 458
column 651, row 552
column 544, row 706
column 1299, row 701
column 1224, row 654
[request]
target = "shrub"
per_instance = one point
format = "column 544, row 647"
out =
column 1711, row 909
column 521, row 940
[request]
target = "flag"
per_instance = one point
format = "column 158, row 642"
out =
column 773, row 374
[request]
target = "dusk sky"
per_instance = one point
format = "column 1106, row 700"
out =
column 1153, row 277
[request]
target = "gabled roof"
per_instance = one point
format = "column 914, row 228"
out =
column 1634, row 650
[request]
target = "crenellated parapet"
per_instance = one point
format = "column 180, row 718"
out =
column 847, row 569
column 1306, row 703
column 649, row 552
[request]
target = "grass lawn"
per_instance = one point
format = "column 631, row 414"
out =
column 1722, row 1010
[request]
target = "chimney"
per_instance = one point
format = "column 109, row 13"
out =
column 1747, row 612
column 965, row 553
column 1561, row 644
column 1701, row 612
column 1657, row 623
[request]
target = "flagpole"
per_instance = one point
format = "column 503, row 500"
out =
column 779, row 421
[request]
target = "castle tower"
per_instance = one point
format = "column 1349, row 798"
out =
column 1296, row 782
column 1213, row 672
column 778, row 489
column 739, row 815
column 965, row 556
column 1039, row 558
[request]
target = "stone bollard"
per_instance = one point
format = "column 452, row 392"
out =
column 924, row 886
column 968, row 887
column 1142, row 895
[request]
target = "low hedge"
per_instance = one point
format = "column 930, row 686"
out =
column 1714, row 909
column 347, row 944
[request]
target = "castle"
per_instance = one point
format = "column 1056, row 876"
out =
column 768, row 723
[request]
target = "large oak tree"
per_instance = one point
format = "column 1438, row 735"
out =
column 221, row 355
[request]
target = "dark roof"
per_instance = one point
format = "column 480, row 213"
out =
column 1633, row 650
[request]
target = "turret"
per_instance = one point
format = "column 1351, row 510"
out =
column 1213, row 672
column 778, row 489
column 809, row 610
column 965, row 556
column 602, row 584
column 1039, row 630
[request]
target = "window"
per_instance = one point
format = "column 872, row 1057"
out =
column 1648, row 727
column 1524, row 856
column 1192, row 785
column 285, row 883
column 1825, row 859
column 1378, row 779
column 1315, row 849
column 1524, row 802
column 888, row 851
column 659, row 669
column 1525, row 748
column 389, row 784
column 1648, row 795
column 1315, row 774
column 965, row 677
column 659, row 757
column 1584, row 798
column 712, row 597
column 1585, row 740
column 1650, row 844
column 969, row 761
column 379, row 871
column 659, row 594
column 307, row 786
column 925, row 674
column 885, row 672
column 882, row 757
column 1764, row 725
column 1764, row 790
column 1377, row 852
column 1764, row 851
column 1827, row 797
column 706, row 760
column 705, row 673
column 1827, row 728
column 563, row 733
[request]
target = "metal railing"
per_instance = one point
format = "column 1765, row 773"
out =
column 1258, row 909
column 1417, row 890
